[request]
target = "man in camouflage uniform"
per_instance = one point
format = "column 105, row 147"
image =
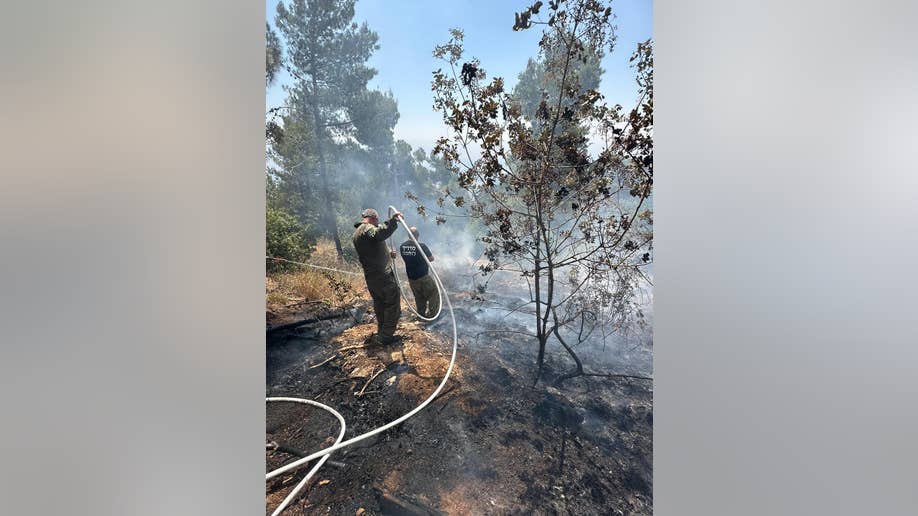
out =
column 423, row 286
column 369, row 241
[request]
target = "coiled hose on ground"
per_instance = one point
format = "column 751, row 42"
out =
column 296, row 490
column 339, row 444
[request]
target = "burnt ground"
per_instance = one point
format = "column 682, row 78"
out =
column 489, row 444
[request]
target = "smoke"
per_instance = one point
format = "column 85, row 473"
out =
column 499, row 301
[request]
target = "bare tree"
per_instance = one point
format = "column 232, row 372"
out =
column 563, row 189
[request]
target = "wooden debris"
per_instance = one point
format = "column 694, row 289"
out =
column 327, row 360
column 390, row 503
column 359, row 394
column 290, row 326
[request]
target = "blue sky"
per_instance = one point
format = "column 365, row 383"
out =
column 409, row 29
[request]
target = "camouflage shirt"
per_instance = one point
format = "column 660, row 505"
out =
column 369, row 241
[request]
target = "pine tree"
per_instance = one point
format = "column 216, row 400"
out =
column 326, row 55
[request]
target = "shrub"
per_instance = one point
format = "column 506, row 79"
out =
column 285, row 237
column 308, row 284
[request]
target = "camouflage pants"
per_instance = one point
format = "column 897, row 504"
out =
column 425, row 295
column 386, row 303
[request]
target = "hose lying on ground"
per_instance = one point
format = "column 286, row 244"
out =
column 296, row 490
column 324, row 453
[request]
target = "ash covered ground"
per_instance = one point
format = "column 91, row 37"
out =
column 489, row 444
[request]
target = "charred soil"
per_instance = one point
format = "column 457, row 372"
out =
column 489, row 444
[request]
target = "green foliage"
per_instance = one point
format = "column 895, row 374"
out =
column 293, row 178
column 286, row 238
column 331, row 149
column 273, row 54
column 327, row 52
column 374, row 115
column 337, row 134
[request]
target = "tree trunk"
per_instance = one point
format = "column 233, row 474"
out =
column 328, row 210
column 579, row 369
column 543, row 339
column 540, row 334
column 542, row 320
column 301, row 189
column 395, row 188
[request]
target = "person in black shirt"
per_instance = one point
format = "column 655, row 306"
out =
column 422, row 284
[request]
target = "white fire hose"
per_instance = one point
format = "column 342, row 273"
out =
column 398, row 280
column 296, row 490
column 324, row 453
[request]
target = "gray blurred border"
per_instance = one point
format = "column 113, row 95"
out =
column 131, row 222
column 132, row 231
column 786, row 348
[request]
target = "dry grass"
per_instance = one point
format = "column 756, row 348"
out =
column 308, row 284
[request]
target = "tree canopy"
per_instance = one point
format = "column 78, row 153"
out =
column 575, row 222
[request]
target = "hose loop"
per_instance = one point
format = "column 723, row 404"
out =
column 398, row 281
column 324, row 453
